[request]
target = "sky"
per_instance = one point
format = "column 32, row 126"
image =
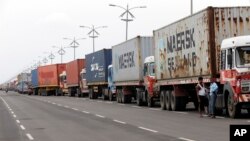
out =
column 29, row 28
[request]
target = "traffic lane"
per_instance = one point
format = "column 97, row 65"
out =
column 59, row 123
column 178, row 124
column 9, row 130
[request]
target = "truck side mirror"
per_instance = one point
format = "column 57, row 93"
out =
column 229, row 60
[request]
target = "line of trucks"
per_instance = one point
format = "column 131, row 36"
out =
column 212, row 43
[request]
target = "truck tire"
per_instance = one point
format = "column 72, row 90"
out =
column 90, row 94
column 248, row 111
column 78, row 91
column 118, row 96
column 174, row 101
column 110, row 96
column 168, row 100
column 150, row 101
column 162, row 100
column 138, row 98
column 232, row 109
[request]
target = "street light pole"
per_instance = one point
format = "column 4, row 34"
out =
column 127, row 12
column 61, row 52
column 191, row 7
column 74, row 44
column 93, row 30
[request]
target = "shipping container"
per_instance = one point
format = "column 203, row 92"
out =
column 97, row 66
column 201, row 45
column 97, row 73
column 73, row 70
column 128, row 58
column 34, row 78
column 49, row 75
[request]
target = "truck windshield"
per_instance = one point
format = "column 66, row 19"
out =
column 152, row 69
column 242, row 56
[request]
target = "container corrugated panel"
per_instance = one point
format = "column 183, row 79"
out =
column 190, row 47
column 34, row 78
column 73, row 70
column 128, row 58
column 97, row 66
column 49, row 75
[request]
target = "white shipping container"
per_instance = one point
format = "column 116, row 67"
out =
column 128, row 58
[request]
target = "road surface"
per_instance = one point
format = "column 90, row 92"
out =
column 41, row 118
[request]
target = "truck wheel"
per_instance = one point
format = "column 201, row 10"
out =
column 110, row 95
column 90, row 94
column 168, row 100
column 118, row 96
column 138, row 98
column 150, row 101
column 248, row 111
column 174, row 103
column 78, row 91
column 233, row 110
column 162, row 100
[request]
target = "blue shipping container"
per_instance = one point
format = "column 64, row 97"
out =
column 97, row 65
column 34, row 78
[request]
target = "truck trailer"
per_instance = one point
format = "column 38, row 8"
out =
column 48, row 79
column 129, row 76
column 73, row 71
column 198, row 45
column 97, row 73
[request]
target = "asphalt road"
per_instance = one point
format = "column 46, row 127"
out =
column 80, row 119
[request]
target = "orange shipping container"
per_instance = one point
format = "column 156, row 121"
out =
column 49, row 75
column 73, row 70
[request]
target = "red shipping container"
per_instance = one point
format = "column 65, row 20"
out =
column 73, row 70
column 49, row 75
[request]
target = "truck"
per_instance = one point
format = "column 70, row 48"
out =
column 73, row 71
column 48, row 79
column 204, row 44
column 23, row 83
column 129, row 71
column 83, row 83
column 34, row 81
column 97, row 73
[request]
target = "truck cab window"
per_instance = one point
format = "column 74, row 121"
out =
column 223, row 60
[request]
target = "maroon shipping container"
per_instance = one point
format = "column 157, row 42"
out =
column 73, row 70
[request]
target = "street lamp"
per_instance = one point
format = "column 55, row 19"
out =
column 127, row 12
column 191, row 7
column 74, row 44
column 61, row 52
column 51, row 56
column 93, row 33
column 45, row 60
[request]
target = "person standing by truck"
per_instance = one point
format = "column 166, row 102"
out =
column 212, row 97
column 201, row 95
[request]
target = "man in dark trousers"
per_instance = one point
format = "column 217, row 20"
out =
column 212, row 97
column 201, row 95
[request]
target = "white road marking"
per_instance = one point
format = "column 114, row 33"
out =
column 248, row 121
column 99, row 101
column 74, row 109
column 100, row 116
column 53, row 103
column 136, row 107
column 109, row 102
column 86, row 112
column 14, row 116
column 118, row 121
column 22, row 127
column 91, row 100
column 66, row 106
column 59, row 105
column 12, row 112
column 154, row 109
column 185, row 139
column 17, row 121
column 29, row 136
column 181, row 113
column 147, row 129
